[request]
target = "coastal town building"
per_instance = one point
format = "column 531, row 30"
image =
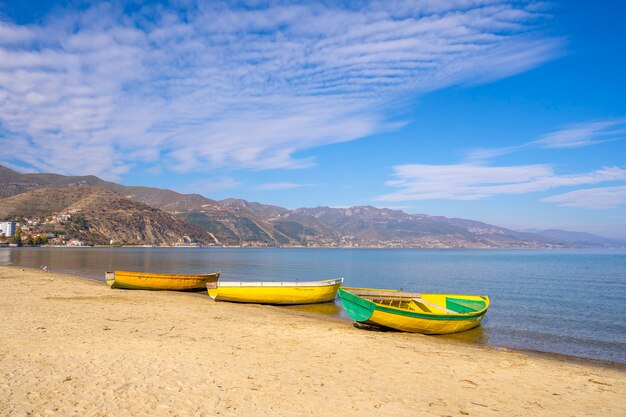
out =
column 7, row 228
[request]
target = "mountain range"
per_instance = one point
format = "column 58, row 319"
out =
column 108, row 211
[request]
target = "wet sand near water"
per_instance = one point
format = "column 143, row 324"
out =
column 74, row 347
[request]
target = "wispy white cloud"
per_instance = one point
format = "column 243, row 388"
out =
column 272, row 186
column 592, row 198
column 205, row 187
column 213, row 85
column 574, row 136
column 484, row 154
column 14, row 34
column 584, row 134
column 474, row 182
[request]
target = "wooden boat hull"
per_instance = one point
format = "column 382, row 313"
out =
column 280, row 293
column 149, row 281
column 430, row 314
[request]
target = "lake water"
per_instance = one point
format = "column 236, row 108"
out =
column 567, row 302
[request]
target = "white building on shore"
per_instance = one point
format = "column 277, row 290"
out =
column 7, row 228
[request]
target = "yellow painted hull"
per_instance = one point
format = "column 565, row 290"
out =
column 282, row 293
column 421, row 325
column 150, row 281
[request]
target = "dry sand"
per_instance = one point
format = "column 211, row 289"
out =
column 74, row 347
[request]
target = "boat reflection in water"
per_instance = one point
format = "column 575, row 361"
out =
column 330, row 310
column 478, row 335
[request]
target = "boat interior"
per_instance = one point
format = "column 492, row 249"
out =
column 422, row 303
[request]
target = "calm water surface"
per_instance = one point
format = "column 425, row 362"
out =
column 568, row 302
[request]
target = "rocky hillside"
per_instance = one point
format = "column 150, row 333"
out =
column 98, row 216
column 156, row 215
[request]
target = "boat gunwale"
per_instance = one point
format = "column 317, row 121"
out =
column 151, row 275
column 265, row 284
column 429, row 316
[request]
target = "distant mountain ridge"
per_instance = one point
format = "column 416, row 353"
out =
column 579, row 238
column 240, row 222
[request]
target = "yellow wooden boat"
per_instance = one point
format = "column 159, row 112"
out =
column 150, row 281
column 414, row 312
column 275, row 292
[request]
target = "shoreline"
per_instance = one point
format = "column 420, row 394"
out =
column 443, row 248
column 538, row 353
column 73, row 346
column 443, row 338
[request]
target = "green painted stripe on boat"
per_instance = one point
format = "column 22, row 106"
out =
column 415, row 314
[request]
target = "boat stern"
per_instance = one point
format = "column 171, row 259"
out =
column 109, row 277
column 212, row 289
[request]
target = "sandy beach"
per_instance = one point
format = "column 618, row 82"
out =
column 73, row 347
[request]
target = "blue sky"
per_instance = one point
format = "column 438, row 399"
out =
column 512, row 113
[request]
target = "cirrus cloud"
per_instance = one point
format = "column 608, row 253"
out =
column 273, row 186
column 216, row 84
column 574, row 136
column 474, row 182
column 592, row 198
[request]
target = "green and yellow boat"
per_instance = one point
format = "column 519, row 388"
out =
column 278, row 293
column 414, row 312
column 129, row 280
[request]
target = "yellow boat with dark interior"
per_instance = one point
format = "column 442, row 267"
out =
column 268, row 292
column 150, row 281
column 414, row 312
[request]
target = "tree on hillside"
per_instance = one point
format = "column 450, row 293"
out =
column 80, row 222
column 17, row 237
column 37, row 240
